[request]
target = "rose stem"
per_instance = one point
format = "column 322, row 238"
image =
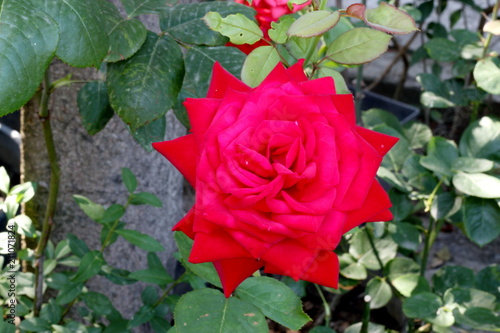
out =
column 326, row 305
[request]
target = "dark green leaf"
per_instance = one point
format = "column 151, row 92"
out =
column 145, row 198
column 298, row 287
column 444, row 205
column 152, row 132
column 401, row 205
column 205, row 270
column 424, row 305
column 481, row 220
column 90, row 265
column 68, row 293
column 145, row 314
column 199, row 62
column 441, row 154
column 470, row 297
column 418, row 134
column 94, row 107
column 374, row 117
column 152, row 275
column 129, row 179
column 443, row 50
column 77, row 246
column 160, row 325
column 144, row 87
column 452, row 276
column 379, row 291
column 141, row 240
column 488, row 279
column 125, row 35
column 204, row 308
column 184, row 21
column 478, row 318
column 141, row 7
column 106, row 229
column 98, row 303
column 83, row 42
column 399, row 153
column 275, row 300
column 35, row 325
column 51, row 312
column 482, row 139
column 407, row 236
column 149, row 295
column 118, row 276
column 113, row 213
column 28, row 42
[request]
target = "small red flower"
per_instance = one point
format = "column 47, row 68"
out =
column 281, row 171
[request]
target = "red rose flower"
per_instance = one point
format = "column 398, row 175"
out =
column 267, row 11
column 281, row 171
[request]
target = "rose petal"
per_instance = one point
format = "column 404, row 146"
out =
column 182, row 153
column 234, row 271
column 345, row 106
column 216, row 246
column 222, row 80
column 381, row 142
column 186, row 223
column 201, row 112
column 320, row 86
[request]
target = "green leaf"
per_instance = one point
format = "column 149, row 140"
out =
column 298, row 48
column 125, row 35
column 106, row 229
column 239, row 28
column 478, row 318
column 401, row 205
column 141, row 240
column 258, row 64
column 451, row 277
column 358, row 46
column 487, row 279
column 62, row 249
column 379, row 291
column 149, row 295
column 90, row 208
column 118, row 276
column 205, row 270
column 406, row 235
column 98, row 303
column 145, row 198
column 444, row 205
column 152, row 275
column 93, row 105
column 145, row 314
column 129, row 180
column 442, row 49
column 404, row 275
column 83, row 42
column 363, row 252
column 469, row 297
column 390, row 19
column 112, row 214
column 354, row 271
column 51, row 312
column 441, row 153
column 481, row 220
column 481, row 139
column 68, row 293
column 204, row 308
column 77, row 246
column 314, row 23
column 142, row 7
column 35, row 325
column 28, row 42
column 471, row 164
column 418, row 134
column 200, row 61
column 487, row 75
column 278, row 29
column 151, row 132
column 374, row 117
column 24, row 226
column 477, row 184
column 492, row 27
column 4, row 180
column 424, row 305
column 89, row 266
column 184, row 21
column 372, row 328
column 144, row 87
column 275, row 300
column 326, row 71
column 23, row 192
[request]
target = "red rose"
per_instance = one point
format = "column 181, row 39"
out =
column 281, row 171
column 267, row 11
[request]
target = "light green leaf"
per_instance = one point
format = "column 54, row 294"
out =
column 358, row 46
column 390, row 19
column 184, row 21
column 90, row 208
column 25, row 226
column 441, row 153
column 477, row 184
column 418, row 134
column 325, row 71
column 372, row 328
column 93, row 105
column 354, row 271
column 482, row 139
column 487, row 75
column 239, row 28
column 481, row 220
column 141, row 240
column 469, row 297
column 258, row 64
column 445, row 204
column 275, row 300
column 145, row 198
column 204, row 308
column 144, row 87
column 152, row 275
column 4, row 180
column 125, row 35
column 472, row 165
column 83, row 42
column 479, row 319
column 424, row 305
column 314, row 23
column 278, row 29
column 492, row 27
column 28, row 42
column 363, row 252
column 35, row 325
column 379, row 291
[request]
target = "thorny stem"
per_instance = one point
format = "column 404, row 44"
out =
column 326, row 305
column 44, row 115
column 490, row 35
column 372, row 244
column 366, row 314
